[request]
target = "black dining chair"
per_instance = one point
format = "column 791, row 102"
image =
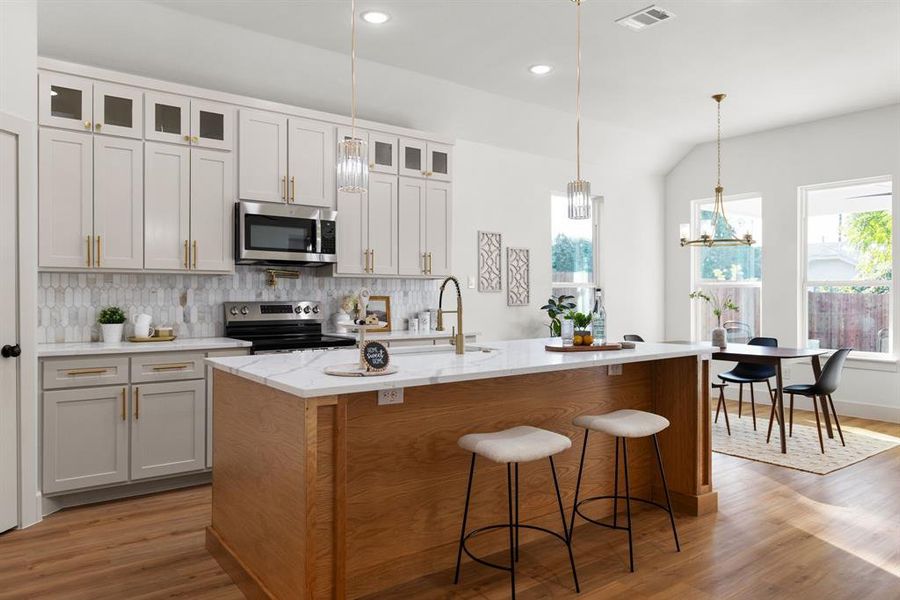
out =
column 633, row 337
column 749, row 373
column 820, row 391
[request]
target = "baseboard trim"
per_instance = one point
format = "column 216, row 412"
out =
column 862, row 410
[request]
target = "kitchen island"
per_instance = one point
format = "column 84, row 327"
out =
column 320, row 491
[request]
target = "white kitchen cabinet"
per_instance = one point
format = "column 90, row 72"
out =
column 118, row 110
column 212, row 201
column 383, row 153
column 212, row 125
column 382, row 224
column 413, row 160
column 438, row 220
column 167, row 197
column 440, row 162
column 85, row 437
column 167, row 118
column 311, row 168
column 65, row 101
column 118, row 203
column 412, row 257
column 65, row 198
column 352, row 234
column 168, row 428
column 263, row 158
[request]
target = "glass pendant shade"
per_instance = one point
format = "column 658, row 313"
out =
column 579, row 192
column 353, row 166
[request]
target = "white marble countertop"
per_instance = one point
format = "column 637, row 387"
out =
column 404, row 335
column 176, row 345
column 302, row 373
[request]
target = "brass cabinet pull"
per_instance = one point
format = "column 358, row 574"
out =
column 186, row 251
column 87, row 124
column 171, row 367
column 97, row 126
column 97, row 257
column 137, row 403
column 187, row 138
column 424, row 263
column 195, row 139
column 293, row 189
column 87, row 371
column 90, row 246
column 123, row 404
column 195, row 254
column 429, row 263
column 284, row 194
column 366, row 265
column 372, row 257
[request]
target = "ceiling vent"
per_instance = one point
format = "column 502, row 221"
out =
column 645, row 18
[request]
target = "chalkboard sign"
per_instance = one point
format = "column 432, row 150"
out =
column 375, row 355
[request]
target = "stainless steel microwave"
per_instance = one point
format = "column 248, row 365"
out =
column 282, row 234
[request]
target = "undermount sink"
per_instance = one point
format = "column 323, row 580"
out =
column 442, row 349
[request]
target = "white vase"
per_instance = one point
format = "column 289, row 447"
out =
column 112, row 332
column 719, row 337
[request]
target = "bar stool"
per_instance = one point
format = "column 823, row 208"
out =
column 513, row 446
column 622, row 424
column 721, row 405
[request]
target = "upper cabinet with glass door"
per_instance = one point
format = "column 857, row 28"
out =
column 419, row 158
column 118, row 110
column 83, row 105
column 181, row 120
column 382, row 153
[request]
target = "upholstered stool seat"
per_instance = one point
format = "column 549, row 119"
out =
column 625, row 423
column 515, row 445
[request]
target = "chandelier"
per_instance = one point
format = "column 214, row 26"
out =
column 352, row 152
column 578, row 191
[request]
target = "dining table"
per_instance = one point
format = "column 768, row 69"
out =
column 775, row 356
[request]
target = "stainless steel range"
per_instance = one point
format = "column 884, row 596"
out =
column 280, row 326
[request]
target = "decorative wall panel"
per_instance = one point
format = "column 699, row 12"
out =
column 518, row 277
column 489, row 262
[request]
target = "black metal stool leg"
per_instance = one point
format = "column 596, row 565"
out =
column 578, row 487
column 517, row 511
column 512, row 541
column 562, row 514
column 628, row 503
column 662, row 474
column 616, row 488
column 462, row 533
column 740, row 399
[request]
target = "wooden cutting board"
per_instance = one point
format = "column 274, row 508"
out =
column 560, row 348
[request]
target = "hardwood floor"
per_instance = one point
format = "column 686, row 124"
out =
column 778, row 531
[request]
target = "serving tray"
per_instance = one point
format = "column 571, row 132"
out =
column 167, row 338
column 560, row 348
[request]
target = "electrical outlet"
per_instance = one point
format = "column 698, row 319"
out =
column 394, row 396
column 471, row 282
column 614, row 370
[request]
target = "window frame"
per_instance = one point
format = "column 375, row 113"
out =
column 596, row 222
column 803, row 267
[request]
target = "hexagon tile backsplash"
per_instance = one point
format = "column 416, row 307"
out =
column 68, row 302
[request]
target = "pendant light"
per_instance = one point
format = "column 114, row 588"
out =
column 579, row 191
column 353, row 153
column 710, row 238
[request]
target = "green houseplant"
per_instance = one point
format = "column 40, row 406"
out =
column 719, row 306
column 582, row 323
column 557, row 306
column 112, row 322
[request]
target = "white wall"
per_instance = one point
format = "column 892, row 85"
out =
column 774, row 164
column 18, row 58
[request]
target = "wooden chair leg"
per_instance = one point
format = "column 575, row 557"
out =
column 818, row 424
column 772, row 394
column 836, row 421
column 772, row 416
column 718, row 406
column 753, row 406
column 740, row 399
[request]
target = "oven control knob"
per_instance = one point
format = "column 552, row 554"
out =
column 298, row 309
column 315, row 309
column 245, row 310
column 306, row 310
column 233, row 311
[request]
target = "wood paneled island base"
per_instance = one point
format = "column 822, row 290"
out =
column 337, row 496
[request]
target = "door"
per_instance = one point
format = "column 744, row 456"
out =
column 382, row 153
column 437, row 227
column 212, row 125
column 262, row 160
column 168, row 428
column 65, row 199
column 413, row 162
column 382, row 208
column 118, row 110
column 118, row 203
column 85, row 438
column 311, row 155
column 411, row 258
column 65, row 101
column 167, row 197
column 167, row 118
column 352, row 233
column 439, row 162
column 212, row 201
column 9, row 330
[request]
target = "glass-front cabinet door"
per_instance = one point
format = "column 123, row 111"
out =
column 413, row 162
column 212, row 125
column 167, row 118
column 65, row 101
column 382, row 153
column 118, row 110
column 439, row 162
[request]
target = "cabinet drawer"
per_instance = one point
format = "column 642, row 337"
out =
column 167, row 367
column 83, row 372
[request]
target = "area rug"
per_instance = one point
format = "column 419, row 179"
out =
column 803, row 451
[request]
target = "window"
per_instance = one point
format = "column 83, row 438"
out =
column 847, row 282
column 573, row 252
column 730, row 272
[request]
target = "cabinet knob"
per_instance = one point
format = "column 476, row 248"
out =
column 87, row 124
column 97, row 126
column 187, row 138
column 195, row 139
column 10, row 351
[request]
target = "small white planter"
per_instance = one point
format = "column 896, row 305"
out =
column 112, row 333
column 719, row 337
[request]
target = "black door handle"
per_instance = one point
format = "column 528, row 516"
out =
column 10, row 351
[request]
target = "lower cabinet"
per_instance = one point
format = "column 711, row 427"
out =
column 168, row 428
column 85, row 438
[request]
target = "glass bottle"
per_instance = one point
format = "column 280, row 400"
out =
column 598, row 321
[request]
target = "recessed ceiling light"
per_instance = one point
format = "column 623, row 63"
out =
column 375, row 17
column 540, row 69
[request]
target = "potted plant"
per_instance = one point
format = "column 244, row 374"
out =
column 555, row 307
column 582, row 323
column 719, row 306
column 112, row 322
